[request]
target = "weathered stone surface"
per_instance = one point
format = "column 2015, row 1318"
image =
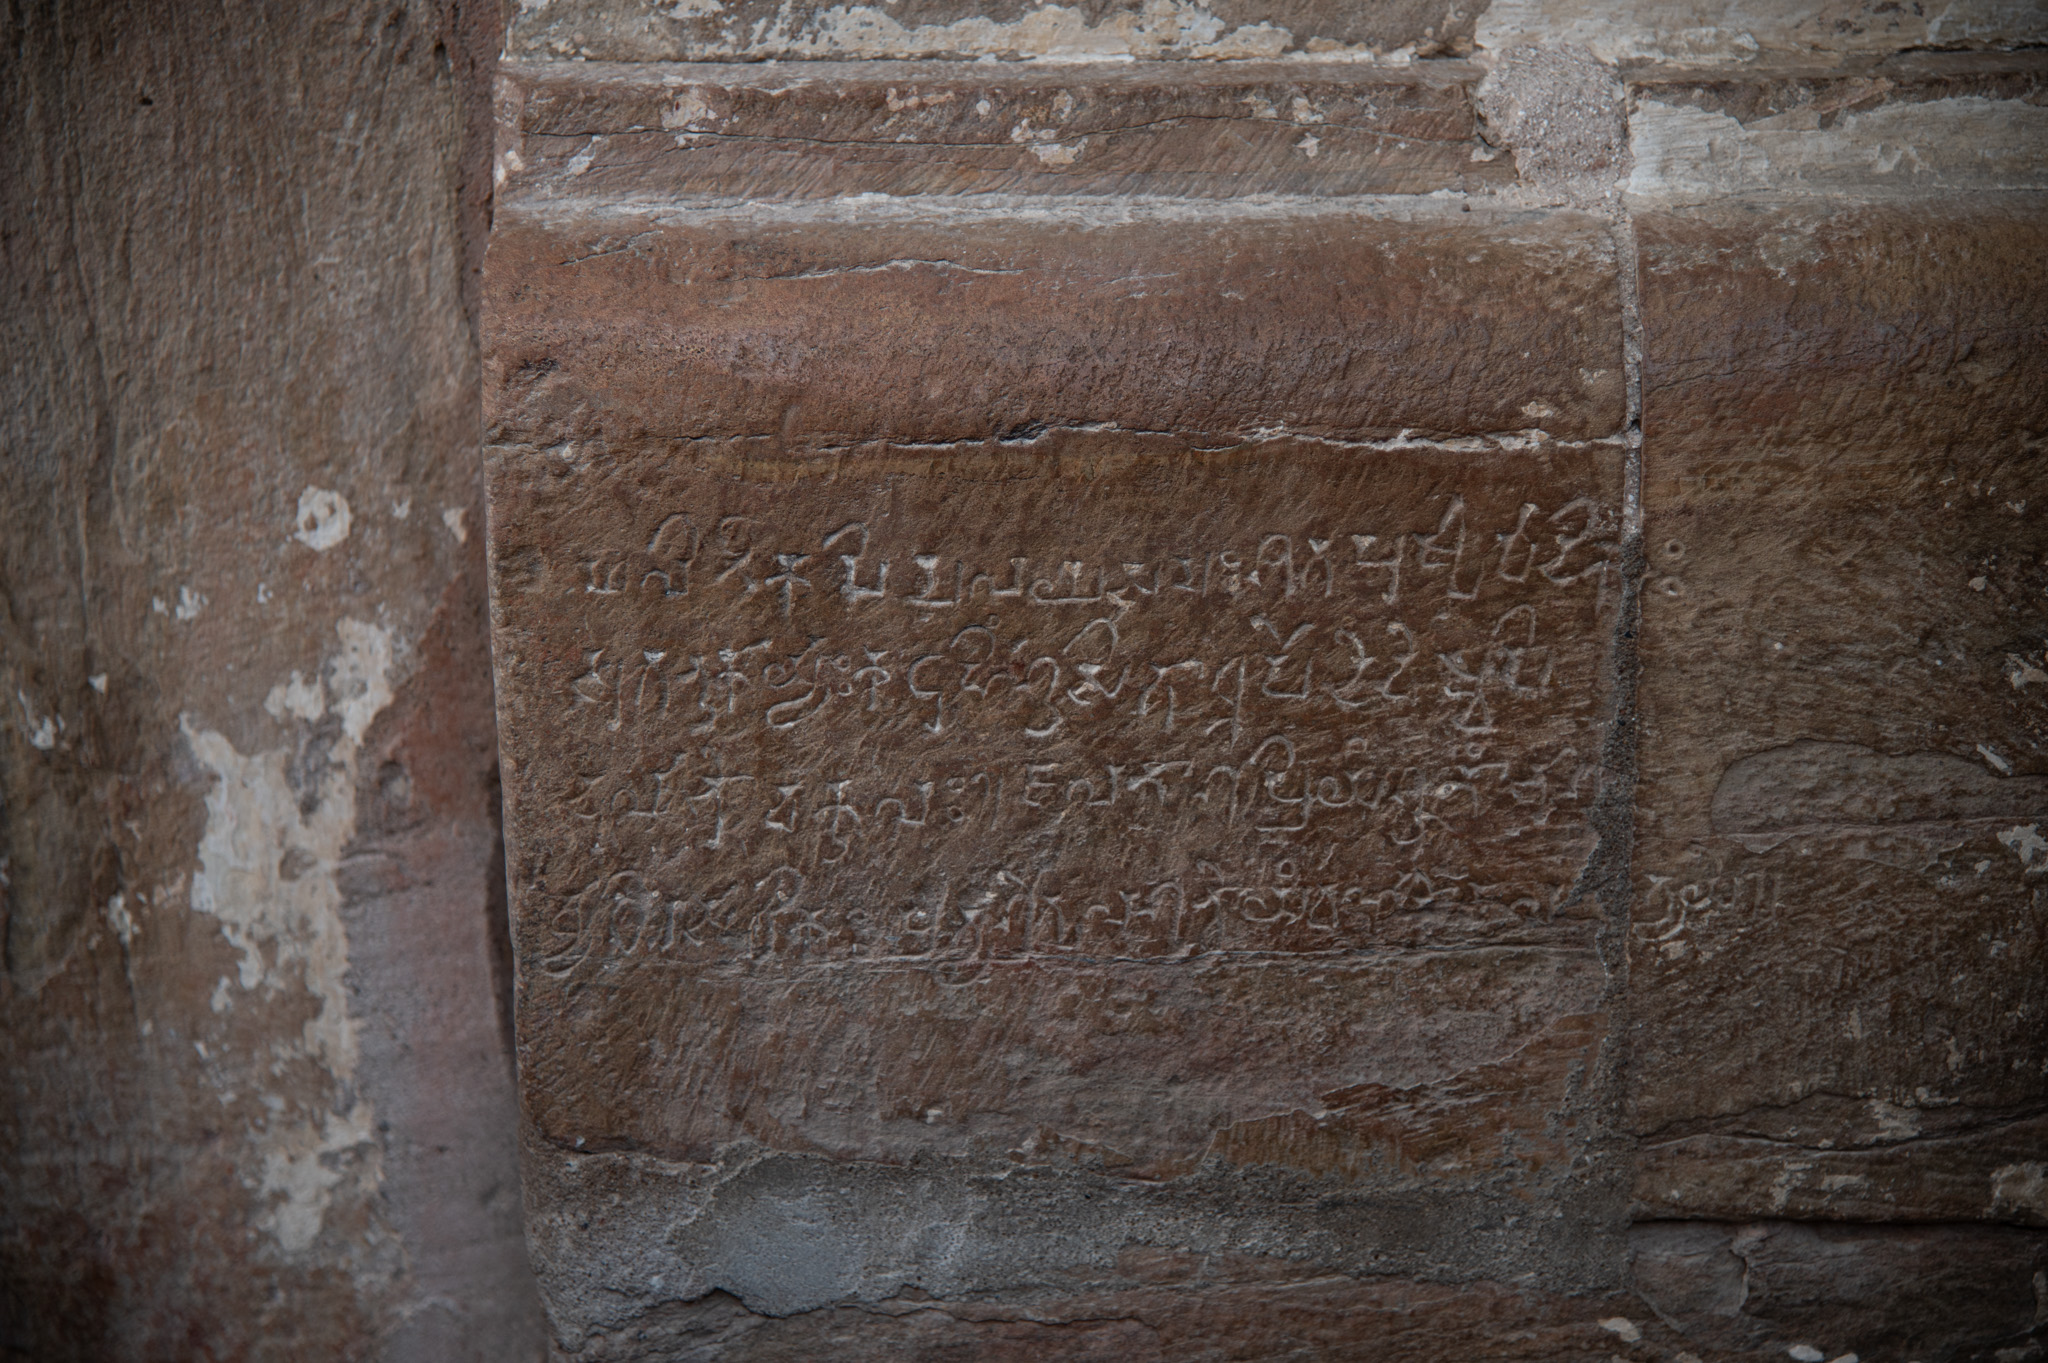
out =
column 1901, row 1164
column 1836, row 969
column 257, row 1099
column 669, row 132
column 1159, row 1304
column 1884, row 1293
column 1918, row 124
column 837, row 324
column 640, row 31
column 1732, row 33
column 1059, row 799
column 980, row 781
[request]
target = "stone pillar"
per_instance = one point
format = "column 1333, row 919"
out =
column 259, row 1100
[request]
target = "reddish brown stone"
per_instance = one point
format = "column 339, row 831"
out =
column 1839, row 924
column 859, row 323
column 903, row 803
column 257, row 1102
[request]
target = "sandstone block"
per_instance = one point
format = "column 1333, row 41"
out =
column 1762, row 1289
column 1840, row 915
column 1098, row 792
column 839, row 324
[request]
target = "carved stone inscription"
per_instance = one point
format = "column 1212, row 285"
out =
column 1120, row 703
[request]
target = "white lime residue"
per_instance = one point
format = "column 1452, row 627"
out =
column 267, row 862
column 323, row 519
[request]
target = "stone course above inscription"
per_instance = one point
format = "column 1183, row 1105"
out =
column 722, row 30
column 851, row 322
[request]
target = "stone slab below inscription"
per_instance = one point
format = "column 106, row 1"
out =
column 1095, row 793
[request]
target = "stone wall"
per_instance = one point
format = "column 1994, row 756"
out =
column 1379, row 700
column 1266, row 679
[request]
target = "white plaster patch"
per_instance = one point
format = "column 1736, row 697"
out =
column 42, row 733
column 267, row 874
column 1805, row 1353
column 190, row 603
column 2028, row 845
column 580, row 162
column 297, row 697
column 2022, row 673
column 120, row 920
column 457, row 521
column 687, row 112
column 98, row 682
column 300, row 1174
column 1622, row 1327
column 1308, row 145
column 323, row 519
column 2020, row 1188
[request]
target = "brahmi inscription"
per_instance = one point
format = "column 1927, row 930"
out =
column 1107, row 702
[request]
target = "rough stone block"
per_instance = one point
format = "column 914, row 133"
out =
column 1730, row 33
column 843, row 323
column 824, row 129
column 1841, row 907
column 1099, row 791
column 976, row 771
column 751, row 30
column 1884, row 1293
column 1918, row 124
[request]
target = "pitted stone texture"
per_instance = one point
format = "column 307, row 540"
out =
column 1077, row 796
column 750, row 30
column 1842, row 410
column 840, row 324
column 818, row 130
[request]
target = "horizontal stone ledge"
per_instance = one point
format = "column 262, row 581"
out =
column 1994, row 1173
column 1897, row 328
column 1735, row 35
column 1915, row 125
column 752, row 131
column 622, row 1233
column 636, row 30
column 1891, row 1292
column 861, row 322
